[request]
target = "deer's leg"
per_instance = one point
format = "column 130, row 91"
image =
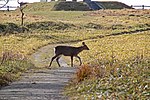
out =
column 79, row 59
column 57, row 59
column 71, row 61
column 52, row 60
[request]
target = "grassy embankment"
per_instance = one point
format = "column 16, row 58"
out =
column 118, row 40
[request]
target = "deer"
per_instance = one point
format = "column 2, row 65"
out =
column 68, row 51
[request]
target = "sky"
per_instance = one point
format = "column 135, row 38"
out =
column 128, row 2
column 133, row 2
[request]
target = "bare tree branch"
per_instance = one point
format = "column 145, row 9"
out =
column 3, row 5
column 22, row 13
column 21, row 10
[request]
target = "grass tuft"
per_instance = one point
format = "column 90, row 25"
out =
column 83, row 72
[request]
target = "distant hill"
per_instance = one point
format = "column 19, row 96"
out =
column 113, row 5
column 58, row 6
column 73, row 6
column 40, row 6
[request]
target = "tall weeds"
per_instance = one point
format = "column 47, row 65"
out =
column 12, row 64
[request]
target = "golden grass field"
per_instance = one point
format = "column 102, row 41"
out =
column 117, row 37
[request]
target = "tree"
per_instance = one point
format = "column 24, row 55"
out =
column 21, row 10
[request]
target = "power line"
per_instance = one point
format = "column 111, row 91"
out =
column 3, row 5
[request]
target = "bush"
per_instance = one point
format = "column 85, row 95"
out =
column 87, row 72
column 83, row 72
column 49, row 25
column 11, row 28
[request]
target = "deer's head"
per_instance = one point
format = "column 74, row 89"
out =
column 85, row 47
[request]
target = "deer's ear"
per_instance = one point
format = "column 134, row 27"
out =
column 83, row 43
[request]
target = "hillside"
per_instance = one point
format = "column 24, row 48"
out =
column 113, row 5
column 73, row 6
column 58, row 6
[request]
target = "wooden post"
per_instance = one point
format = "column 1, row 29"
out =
column 7, row 8
column 143, row 7
column 22, row 15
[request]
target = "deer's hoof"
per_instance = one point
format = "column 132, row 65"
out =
column 48, row 67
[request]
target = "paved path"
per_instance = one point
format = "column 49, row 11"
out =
column 42, row 83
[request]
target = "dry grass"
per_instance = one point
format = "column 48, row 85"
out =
column 116, row 67
column 11, row 66
column 86, row 71
column 122, row 48
column 113, row 53
column 124, row 12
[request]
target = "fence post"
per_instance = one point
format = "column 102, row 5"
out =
column 143, row 7
column 7, row 8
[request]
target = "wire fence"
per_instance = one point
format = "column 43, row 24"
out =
column 140, row 6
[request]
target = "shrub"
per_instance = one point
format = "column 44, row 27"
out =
column 11, row 28
column 49, row 25
column 87, row 71
column 83, row 72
